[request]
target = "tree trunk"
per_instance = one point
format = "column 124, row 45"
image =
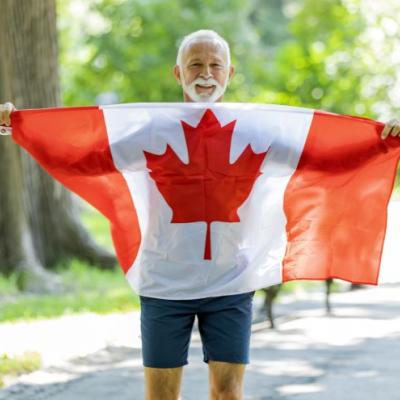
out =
column 39, row 222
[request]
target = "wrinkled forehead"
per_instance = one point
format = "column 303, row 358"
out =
column 210, row 49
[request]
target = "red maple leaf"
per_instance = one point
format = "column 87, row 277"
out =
column 208, row 188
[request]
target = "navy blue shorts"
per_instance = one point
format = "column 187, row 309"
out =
column 224, row 326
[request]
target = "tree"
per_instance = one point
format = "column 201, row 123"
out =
column 321, row 54
column 330, row 59
column 39, row 222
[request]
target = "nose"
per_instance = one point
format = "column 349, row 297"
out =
column 206, row 72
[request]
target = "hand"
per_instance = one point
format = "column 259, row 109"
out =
column 5, row 110
column 392, row 128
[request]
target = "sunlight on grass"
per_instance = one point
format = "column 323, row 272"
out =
column 14, row 366
column 87, row 289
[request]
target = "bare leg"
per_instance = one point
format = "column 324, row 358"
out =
column 163, row 383
column 226, row 380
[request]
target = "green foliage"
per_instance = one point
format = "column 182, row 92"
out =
column 328, row 63
column 323, row 54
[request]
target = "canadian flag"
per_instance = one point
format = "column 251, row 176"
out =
column 216, row 199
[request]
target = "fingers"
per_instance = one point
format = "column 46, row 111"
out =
column 5, row 110
column 395, row 131
column 392, row 128
column 3, row 117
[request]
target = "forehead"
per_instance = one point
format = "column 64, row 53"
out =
column 204, row 50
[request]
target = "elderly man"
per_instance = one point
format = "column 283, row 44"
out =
column 204, row 70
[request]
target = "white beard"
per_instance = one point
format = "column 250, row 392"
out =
column 190, row 90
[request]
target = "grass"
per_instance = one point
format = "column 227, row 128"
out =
column 87, row 289
column 14, row 366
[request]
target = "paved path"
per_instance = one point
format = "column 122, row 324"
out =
column 353, row 355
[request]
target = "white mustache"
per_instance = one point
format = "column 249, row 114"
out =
column 205, row 82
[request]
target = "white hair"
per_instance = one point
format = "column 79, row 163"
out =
column 202, row 36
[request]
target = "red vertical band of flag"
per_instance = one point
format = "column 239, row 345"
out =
column 71, row 144
column 336, row 201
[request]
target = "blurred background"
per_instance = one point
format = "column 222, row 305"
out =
column 56, row 255
column 341, row 56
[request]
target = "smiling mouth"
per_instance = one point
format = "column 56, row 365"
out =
column 205, row 88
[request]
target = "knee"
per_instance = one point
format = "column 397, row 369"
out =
column 229, row 392
column 226, row 381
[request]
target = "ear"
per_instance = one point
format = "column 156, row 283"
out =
column 177, row 74
column 231, row 72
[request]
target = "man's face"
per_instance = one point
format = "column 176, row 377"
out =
column 204, row 73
